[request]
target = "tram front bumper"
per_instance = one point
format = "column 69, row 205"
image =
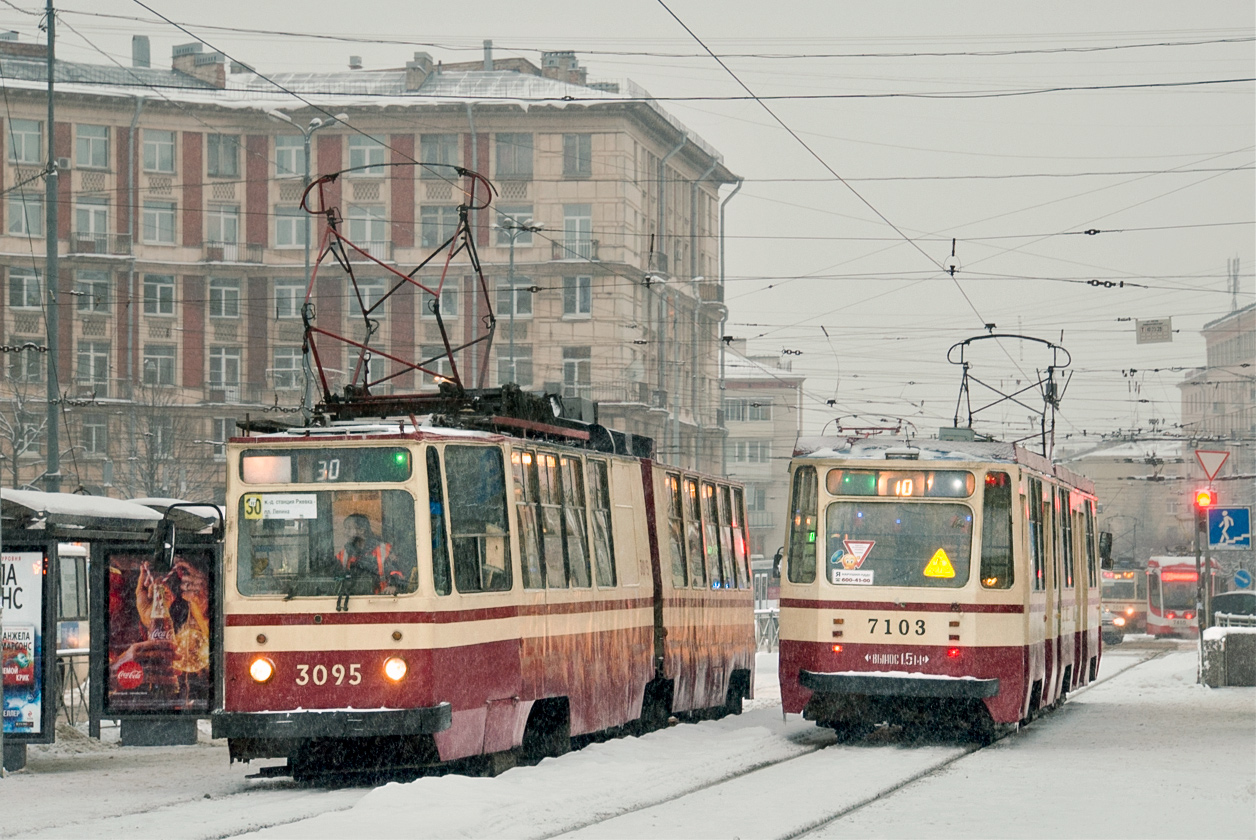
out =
column 887, row 685
column 338, row 723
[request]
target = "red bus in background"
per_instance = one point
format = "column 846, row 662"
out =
column 1172, row 596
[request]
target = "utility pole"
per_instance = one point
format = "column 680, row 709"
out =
column 52, row 473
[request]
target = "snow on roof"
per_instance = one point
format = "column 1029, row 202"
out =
column 930, row 449
column 1135, row 449
column 76, row 505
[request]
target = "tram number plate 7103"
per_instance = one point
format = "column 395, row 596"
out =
column 901, row 627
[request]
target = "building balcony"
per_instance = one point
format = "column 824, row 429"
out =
column 574, row 249
column 108, row 244
column 623, row 391
column 380, row 249
column 233, row 252
column 760, row 519
column 219, row 393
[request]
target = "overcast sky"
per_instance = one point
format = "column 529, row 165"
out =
column 906, row 117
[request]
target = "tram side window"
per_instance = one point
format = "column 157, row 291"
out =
column 740, row 540
column 527, row 491
column 1092, row 571
column 600, row 512
column 551, row 524
column 727, row 538
column 478, row 522
column 693, row 535
column 1036, row 548
column 676, row 531
column 802, row 526
column 436, row 516
column 711, row 536
column 573, row 518
column 996, row 532
column 1065, row 527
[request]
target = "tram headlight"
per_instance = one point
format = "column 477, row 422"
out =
column 1118, row 621
column 262, row 669
column 394, row 668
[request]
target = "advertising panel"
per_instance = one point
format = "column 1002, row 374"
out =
column 158, row 630
column 23, row 658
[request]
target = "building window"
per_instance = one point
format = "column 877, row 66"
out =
column 221, row 430
column 449, row 297
column 577, row 372
column 509, row 215
column 517, row 368
column 158, row 151
column 95, row 434
column 26, row 366
column 441, row 151
column 24, row 292
column 747, row 410
column 224, row 224
column 372, row 290
column 577, row 297
column 367, row 224
column 24, row 141
column 91, row 222
column 520, row 302
column 158, row 294
column 26, row 214
column 286, row 372
column 158, row 364
column 756, row 497
column 366, row 151
column 437, row 225
column 289, row 297
column 93, row 363
column 290, row 227
column 749, row 451
column 577, row 231
column 436, row 361
column 222, row 155
column 158, row 222
column 577, row 155
column 93, row 146
column 224, row 297
column 224, row 367
column 289, row 156
column 92, row 290
column 161, row 437
column 514, row 156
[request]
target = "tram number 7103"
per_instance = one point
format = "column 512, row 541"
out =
column 904, row 627
column 320, row 674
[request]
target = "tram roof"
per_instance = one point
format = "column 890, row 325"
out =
column 905, row 451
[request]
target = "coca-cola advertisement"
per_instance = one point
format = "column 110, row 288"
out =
column 159, row 632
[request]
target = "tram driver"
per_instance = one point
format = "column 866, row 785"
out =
column 371, row 563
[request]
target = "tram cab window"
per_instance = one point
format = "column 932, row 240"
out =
column 996, row 532
column 676, row 531
column 803, row 526
column 1092, row 561
column 737, row 528
column 693, row 535
column 436, row 518
column 326, row 543
column 600, row 514
column 479, row 526
column 908, row 543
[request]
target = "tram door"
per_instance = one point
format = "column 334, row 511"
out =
column 1051, row 526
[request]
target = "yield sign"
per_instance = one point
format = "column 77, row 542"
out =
column 859, row 549
column 1211, row 461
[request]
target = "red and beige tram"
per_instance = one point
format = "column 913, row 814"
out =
column 1172, row 596
column 518, row 591
column 935, row 584
column 1125, row 595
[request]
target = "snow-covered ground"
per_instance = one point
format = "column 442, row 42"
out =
column 1145, row 753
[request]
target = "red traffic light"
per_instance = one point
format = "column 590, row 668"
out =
column 1205, row 498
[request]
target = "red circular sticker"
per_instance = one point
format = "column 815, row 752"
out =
column 130, row 675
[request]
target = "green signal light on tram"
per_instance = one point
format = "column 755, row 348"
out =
column 401, row 458
column 811, row 536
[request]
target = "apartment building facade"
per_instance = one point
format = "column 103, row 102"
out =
column 183, row 249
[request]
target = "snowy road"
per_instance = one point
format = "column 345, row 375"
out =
column 1084, row 769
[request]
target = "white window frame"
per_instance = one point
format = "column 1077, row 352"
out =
column 158, row 149
column 578, row 372
column 160, row 300
column 289, row 156
column 92, row 366
column 438, row 149
column 369, row 151
column 26, row 141
column 158, row 225
column 372, row 290
column 509, row 367
column 91, row 217
column 286, row 368
column 428, row 351
column 222, row 430
column 289, row 227
column 224, row 297
column 26, row 214
column 222, row 155
column 577, row 231
column 450, row 297
column 224, row 367
column 437, row 222
column 289, row 298
column 95, row 434
column 31, row 292
column 222, row 224
column 160, row 360
column 522, row 298
column 91, row 289
column 92, row 147
column 578, row 155
column 516, row 214
column 368, row 223
column 577, row 297
column 514, row 155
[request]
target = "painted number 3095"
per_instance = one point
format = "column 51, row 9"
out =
column 320, row 674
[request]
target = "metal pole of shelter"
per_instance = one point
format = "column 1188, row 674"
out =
column 52, row 476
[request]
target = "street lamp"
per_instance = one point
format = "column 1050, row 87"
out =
column 315, row 124
column 514, row 228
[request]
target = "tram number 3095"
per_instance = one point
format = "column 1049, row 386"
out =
column 904, row 626
column 320, row 674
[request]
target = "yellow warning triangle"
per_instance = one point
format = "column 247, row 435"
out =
column 940, row 566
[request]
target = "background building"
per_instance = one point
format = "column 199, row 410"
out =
column 184, row 249
column 763, row 414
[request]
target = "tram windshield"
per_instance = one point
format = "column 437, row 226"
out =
column 873, row 543
column 1121, row 589
column 1176, row 595
column 326, row 543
